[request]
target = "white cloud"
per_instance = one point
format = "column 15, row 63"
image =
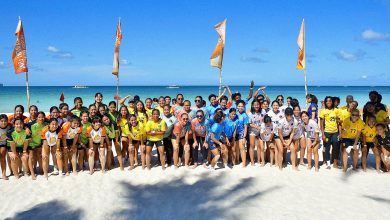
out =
column 252, row 60
column 52, row 49
column 371, row 35
column 3, row 65
column 57, row 53
column 125, row 62
column 364, row 76
column 349, row 56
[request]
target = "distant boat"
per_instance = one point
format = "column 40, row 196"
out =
column 173, row 87
column 80, row 87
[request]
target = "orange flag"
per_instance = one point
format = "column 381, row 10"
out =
column 301, row 64
column 217, row 56
column 115, row 65
column 19, row 56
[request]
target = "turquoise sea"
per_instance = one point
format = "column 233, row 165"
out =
column 46, row 96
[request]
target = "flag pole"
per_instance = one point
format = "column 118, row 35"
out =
column 304, row 70
column 27, row 91
column 117, row 91
column 220, row 81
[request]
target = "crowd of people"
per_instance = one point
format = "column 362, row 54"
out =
column 195, row 134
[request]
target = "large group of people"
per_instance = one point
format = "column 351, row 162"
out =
column 231, row 130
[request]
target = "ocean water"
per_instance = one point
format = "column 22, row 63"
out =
column 46, row 96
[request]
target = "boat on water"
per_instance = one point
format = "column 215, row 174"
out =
column 173, row 87
column 80, row 87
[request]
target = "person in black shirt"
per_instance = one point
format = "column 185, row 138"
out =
column 383, row 144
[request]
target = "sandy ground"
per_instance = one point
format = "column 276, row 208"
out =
column 238, row 193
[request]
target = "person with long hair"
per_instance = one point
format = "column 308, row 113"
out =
column 78, row 107
column 83, row 145
column 99, row 100
column 229, row 133
column 65, row 114
column 18, row 113
column 312, row 139
column 329, row 119
column 113, row 137
column 255, row 120
column 170, row 121
column 242, row 130
column 299, row 139
column 124, row 130
column 112, row 112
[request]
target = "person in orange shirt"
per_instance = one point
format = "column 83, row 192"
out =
column 70, row 136
column 51, row 137
column 18, row 113
column 97, row 143
column 33, row 111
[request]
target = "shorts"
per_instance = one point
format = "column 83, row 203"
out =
column 240, row 135
column 135, row 142
column 298, row 137
column 254, row 132
column 211, row 145
column 69, row 142
column 284, row 138
column 1, row 146
column 230, row 140
column 348, row 142
column 18, row 149
column 79, row 147
column 370, row 145
column 152, row 143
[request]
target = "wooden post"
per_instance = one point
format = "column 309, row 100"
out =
column 27, row 91
column 220, row 82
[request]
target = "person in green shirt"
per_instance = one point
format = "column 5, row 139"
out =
column 4, row 128
column 78, row 107
column 113, row 136
column 83, row 140
column 35, row 154
column 18, row 147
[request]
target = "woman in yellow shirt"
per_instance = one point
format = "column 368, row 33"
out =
column 124, row 130
column 136, row 139
column 155, row 130
column 329, row 117
column 369, row 133
column 351, row 129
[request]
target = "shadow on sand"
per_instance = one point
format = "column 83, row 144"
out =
column 377, row 199
column 50, row 210
column 203, row 199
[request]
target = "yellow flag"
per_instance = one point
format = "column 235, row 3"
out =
column 115, row 65
column 301, row 64
column 217, row 56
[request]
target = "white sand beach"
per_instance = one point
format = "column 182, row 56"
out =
column 238, row 193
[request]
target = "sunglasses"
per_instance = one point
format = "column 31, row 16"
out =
column 179, row 98
column 355, row 115
column 199, row 116
column 185, row 119
column 198, row 100
column 280, row 99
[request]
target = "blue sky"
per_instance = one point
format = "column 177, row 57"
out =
column 170, row 42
